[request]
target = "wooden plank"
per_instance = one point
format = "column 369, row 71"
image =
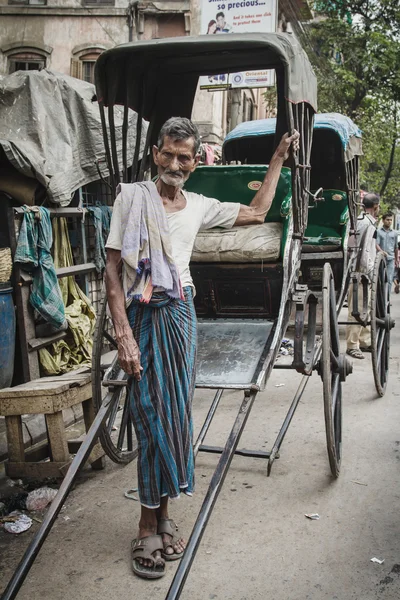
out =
column 49, row 386
column 321, row 255
column 96, row 456
column 57, row 437
column 36, row 470
column 108, row 358
column 44, row 403
column 58, row 212
column 15, row 439
column 64, row 272
column 37, row 343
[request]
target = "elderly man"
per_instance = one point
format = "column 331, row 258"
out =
column 156, row 332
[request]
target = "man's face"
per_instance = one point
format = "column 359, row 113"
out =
column 221, row 22
column 387, row 223
column 175, row 160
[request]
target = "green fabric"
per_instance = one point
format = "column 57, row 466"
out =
column 33, row 253
column 76, row 350
column 101, row 215
column 327, row 220
column 230, row 183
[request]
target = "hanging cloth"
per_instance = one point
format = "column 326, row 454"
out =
column 76, row 349
column 34, row 255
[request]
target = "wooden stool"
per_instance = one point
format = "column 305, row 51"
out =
column 48, row 396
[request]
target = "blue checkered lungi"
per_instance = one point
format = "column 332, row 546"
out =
column 161, row 402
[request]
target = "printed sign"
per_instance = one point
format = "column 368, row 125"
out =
column 248, row 16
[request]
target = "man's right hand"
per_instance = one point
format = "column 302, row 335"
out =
column 129, row 354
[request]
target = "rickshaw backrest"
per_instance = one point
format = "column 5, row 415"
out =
column 239, row 183
column 331, row 212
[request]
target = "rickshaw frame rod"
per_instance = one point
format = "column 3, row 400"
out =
column 351, row 323
column 213, row 491
column 303, row 361
column 210, row 415
column 33, row 549
column 242, row 452
column 361, row 318
column 288, row 419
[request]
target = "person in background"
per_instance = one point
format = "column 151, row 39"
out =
column 358, row 338
column 388, row 242
column 397, row 276
column 212, row 27
column 222, row 25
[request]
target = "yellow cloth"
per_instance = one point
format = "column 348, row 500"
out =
column 76, row 349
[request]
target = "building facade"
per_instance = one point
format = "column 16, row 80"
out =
column 68, row 35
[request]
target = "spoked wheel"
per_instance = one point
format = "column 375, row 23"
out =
column 117, row 435
column 381, row 324
column 334, row 367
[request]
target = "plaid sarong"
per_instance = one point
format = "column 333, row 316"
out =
column 161, row 403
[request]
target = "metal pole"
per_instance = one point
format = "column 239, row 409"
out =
column 288, row 419
column 207, row 422
column 32, row 551
column 217, row 481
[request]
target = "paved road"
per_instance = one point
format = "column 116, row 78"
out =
column 258, row 543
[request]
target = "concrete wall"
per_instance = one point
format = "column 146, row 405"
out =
column 58, row 29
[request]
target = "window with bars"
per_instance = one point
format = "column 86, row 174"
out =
column 26, row 61
column 29, row 2
column 88, row 70
column 98, row 2
column 83, row 67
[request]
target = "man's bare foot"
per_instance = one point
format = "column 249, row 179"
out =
column 146, row 531
column 174, row 544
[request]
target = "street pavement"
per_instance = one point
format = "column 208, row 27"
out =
column 258, row 543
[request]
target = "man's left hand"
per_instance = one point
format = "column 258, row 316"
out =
column 285, row 143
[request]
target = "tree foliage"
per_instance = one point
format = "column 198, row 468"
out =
column 355, row 48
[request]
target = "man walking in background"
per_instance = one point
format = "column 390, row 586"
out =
column 387, row 240
column 358, row 338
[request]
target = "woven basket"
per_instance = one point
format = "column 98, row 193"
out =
column 5, row 264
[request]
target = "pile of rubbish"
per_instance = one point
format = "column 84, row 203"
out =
column 286, row 348
column 15, row 505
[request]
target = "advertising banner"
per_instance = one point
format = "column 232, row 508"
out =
column 247, row 16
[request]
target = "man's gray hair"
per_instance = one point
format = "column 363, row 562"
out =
column 179, row 128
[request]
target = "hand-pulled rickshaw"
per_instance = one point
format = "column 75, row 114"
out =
column 244, row 301
column 332, row 219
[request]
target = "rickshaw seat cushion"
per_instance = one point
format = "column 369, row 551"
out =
column 321, row 239
column 239, row 183
column 253, row 243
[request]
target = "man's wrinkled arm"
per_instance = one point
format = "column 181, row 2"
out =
column 128, row 351
column 256, row 212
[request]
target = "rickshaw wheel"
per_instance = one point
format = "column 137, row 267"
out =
column 381, row 324
column 331, row 362
column 116, row 435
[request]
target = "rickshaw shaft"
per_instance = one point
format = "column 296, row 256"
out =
column 213, row 491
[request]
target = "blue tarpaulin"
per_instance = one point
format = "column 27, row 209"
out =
column 341, row 124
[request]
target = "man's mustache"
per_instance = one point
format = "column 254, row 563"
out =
column 174, row 173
